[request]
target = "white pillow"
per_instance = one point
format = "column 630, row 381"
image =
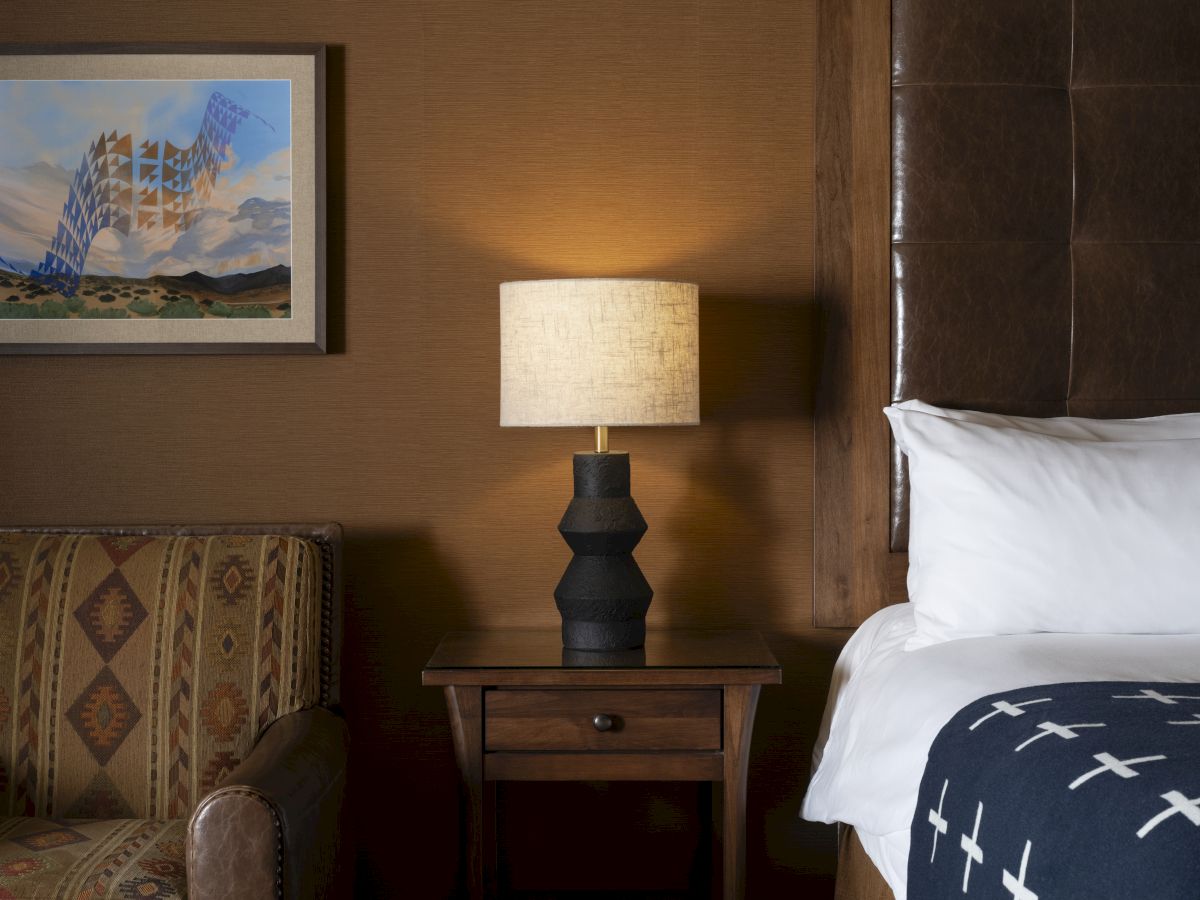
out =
column 1013, row 532
column 1155, row 428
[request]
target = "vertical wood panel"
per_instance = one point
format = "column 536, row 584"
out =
column 853, row 184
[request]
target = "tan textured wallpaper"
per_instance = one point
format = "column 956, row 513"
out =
column 473, row 143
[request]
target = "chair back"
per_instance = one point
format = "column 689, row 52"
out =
column 138, row 666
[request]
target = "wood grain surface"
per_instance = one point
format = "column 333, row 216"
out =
column 853, row 271
column 473, row 142
column 640, row 720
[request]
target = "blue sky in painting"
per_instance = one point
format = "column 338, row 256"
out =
column 55, row 121
column 46, row 127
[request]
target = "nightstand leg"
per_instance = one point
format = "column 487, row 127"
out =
column 740, row 702
column 465, row 704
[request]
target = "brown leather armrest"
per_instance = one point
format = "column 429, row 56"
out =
column 271, row 828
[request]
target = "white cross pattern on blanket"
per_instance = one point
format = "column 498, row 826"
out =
column 1066, row 732
column 1015, row 884
column 970, row 846
column 1149, row 694
column 1179, row 804
column 1195, row 716
column 1009, row 709
column 1109, row 763
column 939, row 824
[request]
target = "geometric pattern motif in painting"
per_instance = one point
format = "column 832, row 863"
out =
column 179, row 725
column 232, row 579
column 151, row 187
column 103, row 715
column 110, row 615
column 29, row 706
column 224, row 711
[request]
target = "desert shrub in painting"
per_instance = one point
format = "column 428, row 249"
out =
column 53, row 309
column 254, row 311
column 143, row 307
column 181, row 309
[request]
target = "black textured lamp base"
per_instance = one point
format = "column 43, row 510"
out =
column 603, row 595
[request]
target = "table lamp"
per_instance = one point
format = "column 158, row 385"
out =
column 600, row 352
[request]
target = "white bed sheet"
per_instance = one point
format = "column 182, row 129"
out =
column 886, row 706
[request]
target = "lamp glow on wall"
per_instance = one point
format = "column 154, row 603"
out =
column 600, row 352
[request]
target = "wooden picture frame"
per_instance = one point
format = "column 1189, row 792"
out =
column 162, row 198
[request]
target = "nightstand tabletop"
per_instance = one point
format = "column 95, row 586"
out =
column 537, row 656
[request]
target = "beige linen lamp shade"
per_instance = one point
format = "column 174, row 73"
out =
column 599, row 352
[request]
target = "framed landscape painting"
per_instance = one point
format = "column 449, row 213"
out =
column 162, row 199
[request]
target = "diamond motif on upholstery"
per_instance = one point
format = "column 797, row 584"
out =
column 146, row 887
column 224, row 711
column 227, row 643
column 10, row 573
column 231, row 579
column 222, row 763
column 103, row 715
column 121, row 548
column 49, row 840
column 110, row 615
column 100, row 800
column 171, row 869
column 15, row 868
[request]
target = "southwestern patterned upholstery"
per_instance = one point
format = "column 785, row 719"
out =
column 148, row 679
column 127, row 858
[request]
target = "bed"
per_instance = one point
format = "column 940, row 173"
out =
column 1008, row 214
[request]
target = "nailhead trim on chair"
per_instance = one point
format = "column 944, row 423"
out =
column 278, row 823
column 326, row 620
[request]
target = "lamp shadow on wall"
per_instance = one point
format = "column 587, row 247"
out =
column 758, row 376
column 401, row 597
column 745, row 505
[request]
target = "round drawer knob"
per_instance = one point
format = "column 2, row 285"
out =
column 602, row 722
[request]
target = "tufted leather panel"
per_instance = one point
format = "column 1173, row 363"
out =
column 1045, row 208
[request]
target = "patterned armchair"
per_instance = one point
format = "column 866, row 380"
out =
column 165, row 712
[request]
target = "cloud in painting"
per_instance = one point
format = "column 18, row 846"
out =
column 245, row 224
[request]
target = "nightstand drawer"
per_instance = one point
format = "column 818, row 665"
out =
column 602, row 720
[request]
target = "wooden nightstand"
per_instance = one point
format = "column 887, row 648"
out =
column 524, row 709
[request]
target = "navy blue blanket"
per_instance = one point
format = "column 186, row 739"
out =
column 1062, row 791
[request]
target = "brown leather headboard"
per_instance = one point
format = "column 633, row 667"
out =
column 1044, row 215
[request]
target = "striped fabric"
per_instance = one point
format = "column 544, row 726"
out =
column 137, row 672
column 131, row 859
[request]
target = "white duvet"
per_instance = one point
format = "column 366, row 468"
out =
column 886, row 705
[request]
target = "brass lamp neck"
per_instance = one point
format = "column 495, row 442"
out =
column 601, row 438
